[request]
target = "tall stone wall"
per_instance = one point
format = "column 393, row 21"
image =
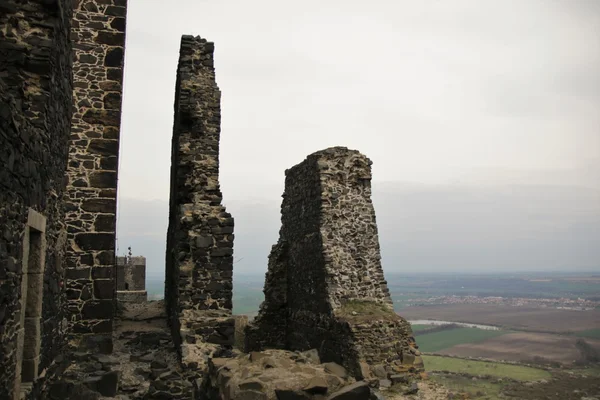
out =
column 98, row 32
column 199, row 260
column 325, row 287
column 35, row 113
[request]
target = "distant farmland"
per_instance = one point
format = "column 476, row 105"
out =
column 519, row 346
column 519, row 318
column 433, row 342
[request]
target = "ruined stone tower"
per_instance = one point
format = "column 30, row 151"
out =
column 325, row 287
column 131, row 279
column 199, row 260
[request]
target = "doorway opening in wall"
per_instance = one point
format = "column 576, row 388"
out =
column 32, row 291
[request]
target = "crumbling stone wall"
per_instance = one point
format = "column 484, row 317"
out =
column 325, row 287
column 199, row 260
column 131, row 279
column 98, row 32
column 35, row 112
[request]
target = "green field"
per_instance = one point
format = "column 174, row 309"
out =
column 472, row 367
column 591, row 333
column 431, row 342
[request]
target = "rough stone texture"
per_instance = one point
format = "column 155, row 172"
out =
column 325, row 287
column 98, row 32
column 199, row 260
column 35, row 113
column 131, row 279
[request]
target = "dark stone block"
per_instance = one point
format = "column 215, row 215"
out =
column 114, row 57
column 103, row 327
column 109, row 163
column 114, row 74
column 97, row 309
column 104, row 147
column 103, row 179
column 111, row 39
column 103, row 272
column 95, row 241
column 106, row 258
column 102, row 117
column 116, row 11
column 104, row 289
column 78, row 273
column 87, row 59
column 105, row 223
column 112, row 101
column 118, row 24
column 108, row 206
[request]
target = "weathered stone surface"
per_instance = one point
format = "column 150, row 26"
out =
column 35, row 113
column 199, row 260
column 324, row 286
column 271, row 375
column 98, row 34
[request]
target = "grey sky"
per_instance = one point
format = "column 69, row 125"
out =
column 457, row 96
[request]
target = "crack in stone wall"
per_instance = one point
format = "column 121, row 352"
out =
column 35, row 113
column 324, row 286
column 98, row 32
column 199, row 260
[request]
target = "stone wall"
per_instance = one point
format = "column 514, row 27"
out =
column 98, row 32
column 324, row 286
column 199, row 260
column 131, row 279
column 35, row 113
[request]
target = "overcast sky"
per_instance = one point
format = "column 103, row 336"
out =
column 487, row 110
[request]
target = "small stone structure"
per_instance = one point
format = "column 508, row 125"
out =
column 325, row 287
column 131, row 279
column 98, row 33
column 199, row 260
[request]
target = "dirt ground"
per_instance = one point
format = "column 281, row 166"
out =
column 523, row 346
column 520, row 318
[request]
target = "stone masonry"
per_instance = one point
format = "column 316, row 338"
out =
column 199, row 260
column 98, row 32
column 324, row 286
column 35, row 113
column 131, row 279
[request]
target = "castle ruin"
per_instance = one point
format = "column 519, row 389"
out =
column 324, row 286
column 62, row 333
